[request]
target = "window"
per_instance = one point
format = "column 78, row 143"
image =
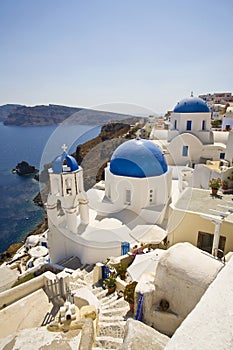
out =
column 222, row 155
column 175, row 124
column 185, row 151
column 189, row 125
column 203, row 124
column 68, row 185
column 128, row 197
column 151, row 197
column 205, row 242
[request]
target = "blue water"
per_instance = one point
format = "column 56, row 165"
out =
column 37, row 146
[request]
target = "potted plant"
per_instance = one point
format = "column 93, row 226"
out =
column 215, row 184
column 129, row 294
column 225, row 185
column 110, row 282
column 121, row 270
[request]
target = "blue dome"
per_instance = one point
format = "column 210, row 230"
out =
column 71, row 163
column 58, row 162
column 138, row 158
column 191, row 105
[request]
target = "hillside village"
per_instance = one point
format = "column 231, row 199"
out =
column 143, row 258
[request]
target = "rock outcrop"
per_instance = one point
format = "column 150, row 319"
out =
column 24, row 168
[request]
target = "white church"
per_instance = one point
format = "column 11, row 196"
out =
column 127, row 209
column 190, row 138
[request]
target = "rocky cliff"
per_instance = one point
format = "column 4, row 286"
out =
column 5, row 110
column 55, row 114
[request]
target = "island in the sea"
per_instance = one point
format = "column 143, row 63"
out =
column 56, row 114
column 23, row 168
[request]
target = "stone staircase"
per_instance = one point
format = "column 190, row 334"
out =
column 113, row 313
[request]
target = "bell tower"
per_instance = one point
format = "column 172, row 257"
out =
column 67, row 197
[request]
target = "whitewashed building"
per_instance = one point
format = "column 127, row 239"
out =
column 125, row 209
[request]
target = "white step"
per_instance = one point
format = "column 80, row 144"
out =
column 109, row 297
column 115, row 330
column 100, row 294
column 115, row 310
column 109, row 342
column 116, row 323
column 111, row 318
column 108, row 300
column 118, row 303
column 116, row 333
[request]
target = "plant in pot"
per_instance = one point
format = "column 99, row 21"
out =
column 129, row 294
column 215, row 184
column 110, row 282
column 225, row 185
column 121, row 270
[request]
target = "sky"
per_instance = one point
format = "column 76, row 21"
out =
column 149, row 53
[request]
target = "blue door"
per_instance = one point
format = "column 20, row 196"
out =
column 125, row 248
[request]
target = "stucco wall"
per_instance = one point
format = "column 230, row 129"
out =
column 209, row 325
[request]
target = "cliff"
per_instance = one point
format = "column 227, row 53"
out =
column 55, row 114
column 5, row 110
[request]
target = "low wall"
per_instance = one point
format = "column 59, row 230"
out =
column 12, row 295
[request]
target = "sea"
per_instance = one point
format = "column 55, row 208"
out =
column 37, row 145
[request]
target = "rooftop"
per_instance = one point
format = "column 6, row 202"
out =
column 200, row 201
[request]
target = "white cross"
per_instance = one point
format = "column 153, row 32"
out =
column 64, row 147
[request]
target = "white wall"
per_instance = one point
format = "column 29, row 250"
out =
column 209, row 325
column 196, row 128
column 63, row 244
column 195, row 147
column 227, row 121
column 183, row 274
column 229, row 148
column 144, row 192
